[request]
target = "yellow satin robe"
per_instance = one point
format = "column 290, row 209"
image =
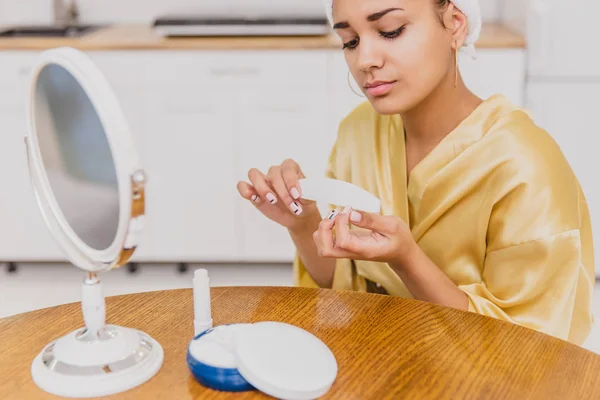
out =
column 495, row 206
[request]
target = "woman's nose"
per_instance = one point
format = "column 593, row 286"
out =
column 369, row 55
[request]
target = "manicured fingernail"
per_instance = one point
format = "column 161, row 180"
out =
column 355, row 216
column 271, row 198
column 333, row 214
column 346, row 210
column 296, row 209
column 295, row 193
column 255, row 198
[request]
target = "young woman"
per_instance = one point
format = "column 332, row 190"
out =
column 480, row 209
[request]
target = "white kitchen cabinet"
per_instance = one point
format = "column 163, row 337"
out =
column 559, row 39
column 122, row 71
column 279, row 123
column 200, row 120
column 23, row 235
column 190, row 165
column 568, row 111
column 278, row 119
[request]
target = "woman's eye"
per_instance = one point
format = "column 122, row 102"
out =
column 351, row 44
column 393, row 34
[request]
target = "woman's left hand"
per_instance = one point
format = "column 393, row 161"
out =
column 383, row 238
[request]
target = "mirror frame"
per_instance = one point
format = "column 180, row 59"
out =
column 131, row 178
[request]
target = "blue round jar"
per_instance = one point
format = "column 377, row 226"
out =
column 216, row 378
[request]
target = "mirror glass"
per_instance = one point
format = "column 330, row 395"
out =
column 76, row 156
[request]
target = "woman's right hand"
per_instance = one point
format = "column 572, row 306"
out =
column 277, row 195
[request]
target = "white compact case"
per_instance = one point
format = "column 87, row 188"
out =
column 279, row 359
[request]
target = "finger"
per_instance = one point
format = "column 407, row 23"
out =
column 343, row 237
column 325, row 248
column 317, row 239
column 375, row 222
column 261, row 186
column 290, row 171
column 248, row 192
column 276, row 179
column 334, row 213
column 326, row 238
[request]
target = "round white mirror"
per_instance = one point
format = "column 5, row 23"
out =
column 89, row 187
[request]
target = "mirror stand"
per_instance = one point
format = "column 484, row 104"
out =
column 89, row 186
column 99, row 359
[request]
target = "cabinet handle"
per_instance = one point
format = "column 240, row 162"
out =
column 24, row 71
column 234, row 71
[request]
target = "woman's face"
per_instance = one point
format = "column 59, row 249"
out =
column 397, row 50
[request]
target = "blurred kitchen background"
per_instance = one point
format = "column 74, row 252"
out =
column 203, row 110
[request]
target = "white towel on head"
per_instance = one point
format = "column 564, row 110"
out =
column 469, row 7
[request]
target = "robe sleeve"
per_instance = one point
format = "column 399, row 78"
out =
column 539, row 269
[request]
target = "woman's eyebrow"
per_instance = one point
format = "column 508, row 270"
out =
column 371, row 18
column 377, row 15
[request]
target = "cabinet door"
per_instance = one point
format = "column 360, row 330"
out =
column 276, row 124
column 122, row 71
column 199, row 99
column 191, row 190
column 568, row 112
column 23, row 233
column 558, row 38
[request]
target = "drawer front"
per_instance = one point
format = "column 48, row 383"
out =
column 237, row 68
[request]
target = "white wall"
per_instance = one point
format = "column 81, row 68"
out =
column 144, row 11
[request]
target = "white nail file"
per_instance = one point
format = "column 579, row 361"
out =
column 340, row 193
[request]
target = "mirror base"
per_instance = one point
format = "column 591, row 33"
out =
column 77, row 366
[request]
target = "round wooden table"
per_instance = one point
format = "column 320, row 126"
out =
column 386, row 347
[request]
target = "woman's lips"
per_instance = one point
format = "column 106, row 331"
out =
column 379, row 88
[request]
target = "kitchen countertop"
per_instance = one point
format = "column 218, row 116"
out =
column 142, row 37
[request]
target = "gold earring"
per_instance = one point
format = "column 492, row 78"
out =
column 456, row 64
column 350, row 84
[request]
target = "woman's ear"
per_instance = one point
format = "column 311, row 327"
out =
column 460, row 26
